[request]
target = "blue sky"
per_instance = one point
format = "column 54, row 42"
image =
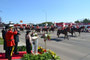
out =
column 36, row 11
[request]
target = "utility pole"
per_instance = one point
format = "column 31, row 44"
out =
column 0, row 17
column 0, row 20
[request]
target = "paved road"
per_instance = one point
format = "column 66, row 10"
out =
column 76, row 48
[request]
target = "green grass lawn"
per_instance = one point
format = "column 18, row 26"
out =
column 1, row 41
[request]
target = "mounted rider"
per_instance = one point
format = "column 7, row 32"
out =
column 63, row 26
column 32, row 27
column 37, row 27
column 52, row 26
column 77, row 26
column 70, row 25
column 28, row 26
column 45, row 27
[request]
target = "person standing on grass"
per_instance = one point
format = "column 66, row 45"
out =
column 16, row 38
column 9, row 37
column 28, row 42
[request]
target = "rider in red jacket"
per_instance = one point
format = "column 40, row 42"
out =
column 52, row 26
column 63, row 26
column 45, row 26
column 37, row 27
column 77, row 26
column 70, row 25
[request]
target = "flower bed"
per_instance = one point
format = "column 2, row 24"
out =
column 43, row 54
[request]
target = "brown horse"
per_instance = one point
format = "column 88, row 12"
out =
column 73, row 30
column 63, row 32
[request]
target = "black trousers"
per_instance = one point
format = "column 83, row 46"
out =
column 6, row 53
column 9, row 49
column 15, row 49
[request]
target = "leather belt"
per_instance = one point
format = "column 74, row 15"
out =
column 10, row 39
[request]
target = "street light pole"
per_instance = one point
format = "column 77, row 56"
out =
column 46, row 16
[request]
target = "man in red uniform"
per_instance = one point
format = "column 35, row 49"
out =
column 10, row 41
column 63, row 26
column 52, row 26
column 77, row 26
column 37, row 27
column 45, row 26
column 70, row 25
column 32, row 26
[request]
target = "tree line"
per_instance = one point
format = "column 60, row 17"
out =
column 83, row 21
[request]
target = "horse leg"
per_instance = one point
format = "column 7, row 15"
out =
column 79, row 33
column 67, row 36
column 72, row 33
column 75, row 34
column 58, row 34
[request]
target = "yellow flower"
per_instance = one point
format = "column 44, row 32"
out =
column 39, row 47
column 53, row 54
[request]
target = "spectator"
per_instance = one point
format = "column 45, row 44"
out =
column 16, row 38
column 28, row 42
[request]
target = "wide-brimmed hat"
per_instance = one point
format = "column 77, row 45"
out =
column 11, row 26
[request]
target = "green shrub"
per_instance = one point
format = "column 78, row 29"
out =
column 1, row 41
column 44, row 56
column 21, row 48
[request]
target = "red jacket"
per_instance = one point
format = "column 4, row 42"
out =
column 37, row 27
column 51, row 26
column 10, row 38
column 45, row 26
column 77, row 27
column 32, row 26
column 63, row 28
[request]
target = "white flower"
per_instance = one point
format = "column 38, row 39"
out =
column 45, row 35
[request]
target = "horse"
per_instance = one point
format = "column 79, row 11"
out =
column 45, row 29
column 38, row 30
column 63, row 32
column 27, row 28
column 52, row 29
column 21, row 29
column 73, row 30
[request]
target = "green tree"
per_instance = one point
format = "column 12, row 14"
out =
column 77, row 21
column 42, row 24
column 86, row 20
column 83, row 21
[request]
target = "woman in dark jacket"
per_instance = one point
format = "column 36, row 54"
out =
column 28, row 42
